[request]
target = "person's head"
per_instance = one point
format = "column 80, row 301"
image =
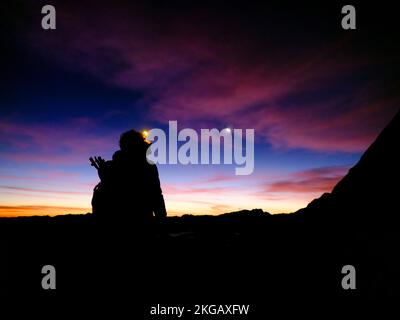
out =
column 132, row 141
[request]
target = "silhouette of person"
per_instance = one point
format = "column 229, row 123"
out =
column 129, row 186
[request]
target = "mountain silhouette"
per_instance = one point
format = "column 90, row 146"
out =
column 367, row 194
column 246, row 213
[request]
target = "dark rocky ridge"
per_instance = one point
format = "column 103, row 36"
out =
column 368, row 194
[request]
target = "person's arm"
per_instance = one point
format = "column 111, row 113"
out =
column 103, row 167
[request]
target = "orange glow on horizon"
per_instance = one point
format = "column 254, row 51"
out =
column 38, row 210
column 35, row 210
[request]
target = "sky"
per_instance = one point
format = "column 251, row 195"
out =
column 315, row 94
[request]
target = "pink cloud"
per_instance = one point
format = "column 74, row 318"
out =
column 217, row 178
column 51, row 191
column 316, row 180
column 199, row 70
column 193, row 190
column 323, row 128
column 30, row 195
